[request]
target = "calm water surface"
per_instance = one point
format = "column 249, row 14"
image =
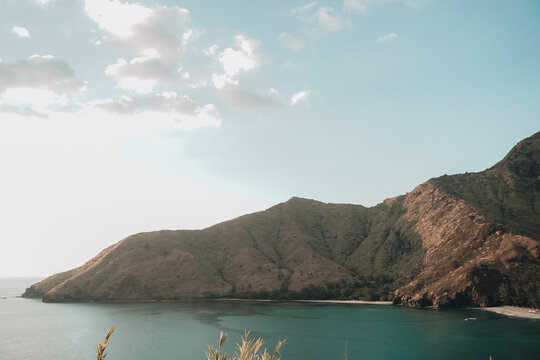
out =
column 30, row 329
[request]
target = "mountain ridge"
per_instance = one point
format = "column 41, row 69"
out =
column 459, row 240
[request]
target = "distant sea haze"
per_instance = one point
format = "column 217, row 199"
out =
column 33, row 330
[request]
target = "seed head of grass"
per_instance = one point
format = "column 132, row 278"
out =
column 102, row 345
column 249, row 349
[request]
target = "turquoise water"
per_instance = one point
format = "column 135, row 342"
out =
column 30, row 329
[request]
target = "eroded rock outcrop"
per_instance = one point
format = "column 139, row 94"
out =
column 460, row 240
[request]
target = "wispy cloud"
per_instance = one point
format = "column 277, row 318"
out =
column 45, row 72
column 241, row 57
column 37, row 84
column 211, row 50
column 159, row 29
column 303, row 9
column 413, row 4
column 301, row 96
column 166, row 102
column 291, row 42
column 328, row 19
column 142, row 74
column 21, row 110
column 386, row 37
column 323, row 18
column 44, row 2
column 166, row 105
column 116, row 17
column 20, row 31
column 237, row 97
column 355, row 6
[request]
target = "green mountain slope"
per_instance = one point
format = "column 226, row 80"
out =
column 509, row 191
column 468, row 239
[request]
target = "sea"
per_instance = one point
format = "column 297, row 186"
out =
column 31, row 329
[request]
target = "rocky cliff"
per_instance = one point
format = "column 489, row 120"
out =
column 468, row 239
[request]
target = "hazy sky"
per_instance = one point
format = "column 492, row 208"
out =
column 118, row 117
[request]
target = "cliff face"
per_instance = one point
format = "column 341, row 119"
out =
column 468, row 239
column 469, row 260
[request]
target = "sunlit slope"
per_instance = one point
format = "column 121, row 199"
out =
column 468, row 239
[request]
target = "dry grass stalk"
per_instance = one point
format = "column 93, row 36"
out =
column 346, row 354
column 103, row 345
column 215, row 354
column 249, row 349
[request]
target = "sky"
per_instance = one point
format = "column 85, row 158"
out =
column 118, row 117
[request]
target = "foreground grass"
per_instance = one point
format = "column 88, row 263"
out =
column 102, row 345
column 249, row 349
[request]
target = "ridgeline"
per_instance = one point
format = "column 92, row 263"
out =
column 462, row 240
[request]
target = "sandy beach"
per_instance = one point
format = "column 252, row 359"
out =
column 357, row 302
column 353, row 302
column 514, row 311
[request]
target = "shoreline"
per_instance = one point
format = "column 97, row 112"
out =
column 134, row 301
column 345, row 302
column 353, row 302
column 512, row 311
column 506, row 310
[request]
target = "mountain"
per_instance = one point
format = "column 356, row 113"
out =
column 460, row 240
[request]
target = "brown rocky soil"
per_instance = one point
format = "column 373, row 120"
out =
column 461, row 240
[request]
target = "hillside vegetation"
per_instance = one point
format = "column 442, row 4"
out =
column 468, row 239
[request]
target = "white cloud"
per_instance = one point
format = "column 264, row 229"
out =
column 38, row 101
column 167, row 102
column 234, row 60
column 222, row 80
column 303, row 9
column 37, row 85
column 290, row 42
column 322, row 18
column 115, row 16
column 26, row 95
column 141, row 74
column 237, row 97
column 159, row 30
column 20, row 31
column 240, row 59
column 23, row 111
column 199, row 84
column 326, row 18
column 150, row 53
column 386, row 37
column 355, row 5
column 166, row 105
column 44, row 2
column 211, row 50
column 301, row 96
column 39, row 71
column 207, row 116
column 29, row 101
